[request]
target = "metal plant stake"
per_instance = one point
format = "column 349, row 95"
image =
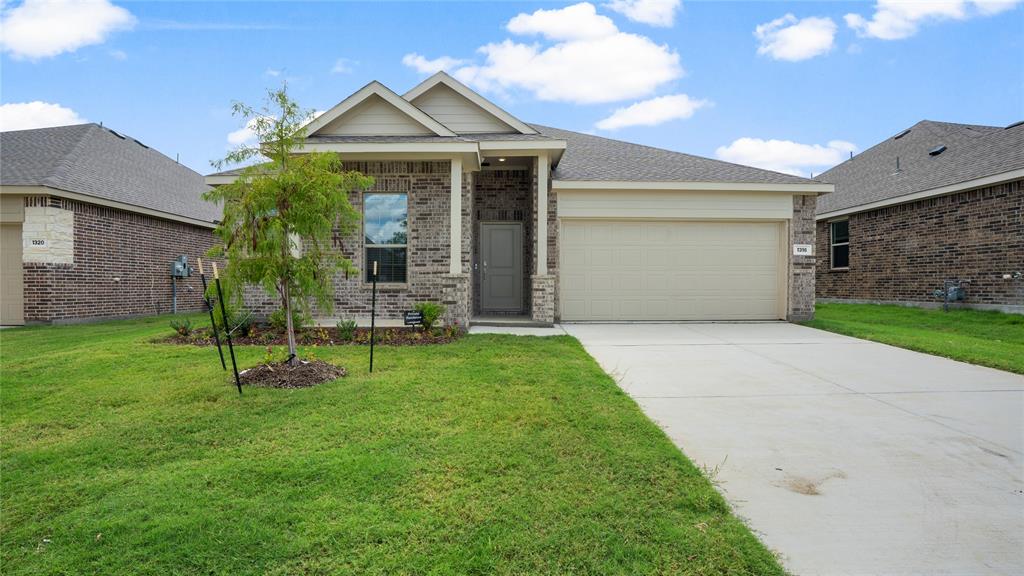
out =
column 227, row 329
column 213, row 323
column 373, row 313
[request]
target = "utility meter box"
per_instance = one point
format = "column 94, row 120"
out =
column 180, row 267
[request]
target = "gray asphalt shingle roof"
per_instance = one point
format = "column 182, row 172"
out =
column 972, row 152
column 590, row 157
column 94, row 161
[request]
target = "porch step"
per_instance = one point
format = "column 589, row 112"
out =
column 507, row 321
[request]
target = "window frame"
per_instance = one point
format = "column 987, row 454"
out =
column 364, row 274
column 832, row 244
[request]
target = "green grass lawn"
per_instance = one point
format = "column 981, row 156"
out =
column 495, row 454
column 987, row 338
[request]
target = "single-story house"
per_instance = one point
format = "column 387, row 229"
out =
column 935, row 203
column 500, row 219
column 92, row 221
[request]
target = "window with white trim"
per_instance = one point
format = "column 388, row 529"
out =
column 839, row 239
column 386, row 236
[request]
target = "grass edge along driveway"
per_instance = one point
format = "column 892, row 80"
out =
column 986, row 338
column 495, row 454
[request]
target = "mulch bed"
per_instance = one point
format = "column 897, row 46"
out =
column 266, row 336
column 282, row 375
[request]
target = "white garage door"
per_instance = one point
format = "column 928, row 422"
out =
column 669, row 270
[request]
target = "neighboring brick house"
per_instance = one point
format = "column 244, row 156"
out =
column 936, row 202
column 628, row 232
column 92, row 221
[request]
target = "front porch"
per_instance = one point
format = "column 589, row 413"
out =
column 509, row 250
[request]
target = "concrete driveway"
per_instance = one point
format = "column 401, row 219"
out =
column 845, row 456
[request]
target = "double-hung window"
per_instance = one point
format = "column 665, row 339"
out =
column 386, row 236
column 839, row 238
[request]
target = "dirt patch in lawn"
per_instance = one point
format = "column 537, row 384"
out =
column 282, row 375
column 266, row 336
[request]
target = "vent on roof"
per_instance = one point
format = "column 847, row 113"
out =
column 141, row 144
column 115, row 134
column 901, row 134
column 1015, row 124
column 937, row 150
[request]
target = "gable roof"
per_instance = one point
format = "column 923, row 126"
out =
column 442, row 78
column 379, row 90
column 595, row 158
column 94, row 161
column 972, row 152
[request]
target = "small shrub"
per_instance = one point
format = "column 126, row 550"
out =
column 182, row 327
column 347, row 330
column 278, row 321
column 453, row 331
column 432, row 312
column 239, row 320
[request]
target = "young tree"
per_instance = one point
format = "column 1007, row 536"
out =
column 279, row 214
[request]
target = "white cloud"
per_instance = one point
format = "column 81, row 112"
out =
column 272, row 72
column 26, row 115
column 576, row 22
column 342, row 66
column 424, row 66
column 785, row 155
column 653, row 112
column 119, row 55
column 788, row 38
column 898, row 19
column 654, row 12
column 244, row 135
column 45, row 28
column 601, row 64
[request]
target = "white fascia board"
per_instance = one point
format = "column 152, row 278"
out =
column 525, row 145
column 220, row 180
column 50, row 191
column 809, row 188
column 940, row 191
column 393, row 147
column 378, row 89
column 464, row 91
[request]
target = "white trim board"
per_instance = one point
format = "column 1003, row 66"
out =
column 464, row 91
column 810, row 188
column 378, row 89
column 940, row 191
column 49, row 191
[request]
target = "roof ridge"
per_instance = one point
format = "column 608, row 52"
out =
column 69, row 159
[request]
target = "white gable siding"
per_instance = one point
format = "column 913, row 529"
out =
column 457, row 113
column 374, row 117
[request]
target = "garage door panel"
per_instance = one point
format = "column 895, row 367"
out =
column 669, row 270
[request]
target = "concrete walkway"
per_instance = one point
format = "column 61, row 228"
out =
column 846, row 456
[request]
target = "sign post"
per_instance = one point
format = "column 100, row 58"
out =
column 213, row 323
column 373, row 314
column 227, row 329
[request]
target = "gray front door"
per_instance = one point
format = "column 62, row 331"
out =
column 501, row 267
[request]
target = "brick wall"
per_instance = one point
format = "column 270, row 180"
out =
column 903, row 253
column 801, row 268
column 503, row 196
column 121, row 265
column 428, row 185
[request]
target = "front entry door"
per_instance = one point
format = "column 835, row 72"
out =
column 501, row 267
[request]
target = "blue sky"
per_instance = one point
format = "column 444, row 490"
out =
column 816, row 80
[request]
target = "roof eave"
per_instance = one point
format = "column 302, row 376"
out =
column 681, row 185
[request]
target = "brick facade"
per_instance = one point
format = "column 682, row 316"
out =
column 121, row 265
column 546, row 304
column 801, row 268
column 903, row 253
column 428, row 185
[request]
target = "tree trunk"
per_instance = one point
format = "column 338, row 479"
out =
column 290, row 327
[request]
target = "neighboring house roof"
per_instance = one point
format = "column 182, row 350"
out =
column 94, row 161
column 590, row 157
column 971, row 153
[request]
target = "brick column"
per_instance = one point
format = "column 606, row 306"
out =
column 802, row 268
